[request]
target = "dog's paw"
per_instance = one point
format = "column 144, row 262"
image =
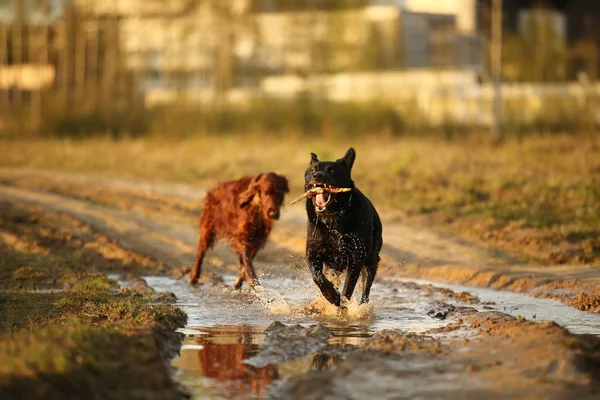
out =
column 197, row 282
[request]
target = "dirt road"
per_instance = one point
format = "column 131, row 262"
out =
column 163, row 217
column 414, row 341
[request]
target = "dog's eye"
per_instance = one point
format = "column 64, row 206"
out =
column 330, row 170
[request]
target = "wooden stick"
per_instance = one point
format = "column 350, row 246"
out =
column 319, row 190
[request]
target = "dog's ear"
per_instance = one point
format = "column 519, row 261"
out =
column 348, row 158
column 313, row 158
column 247, row 195
column 286, row 186
column 281, row 182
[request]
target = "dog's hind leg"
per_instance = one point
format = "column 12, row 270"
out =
column 205, row 241
column 372, row 262
column 368, row 277
column 240, row 279
column 247, row 272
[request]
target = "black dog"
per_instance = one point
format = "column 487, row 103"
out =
column 344, row 229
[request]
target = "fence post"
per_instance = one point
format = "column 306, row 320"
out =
column 4, row 99
column 17, row 57
column 496, row 68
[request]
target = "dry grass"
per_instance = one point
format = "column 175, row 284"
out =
column 538, row 196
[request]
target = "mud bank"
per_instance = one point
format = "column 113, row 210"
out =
column 576, row 286
column 414, row 340
column 506, row 358
column 66, row 331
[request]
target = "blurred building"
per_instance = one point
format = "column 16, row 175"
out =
column 547, row 40
column 583, row 37
column 27, row 77
column 202, row 48
column 118, row 54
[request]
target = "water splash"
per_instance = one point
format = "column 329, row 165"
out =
column 351, row 311
column 297, row 301
column 272, row 300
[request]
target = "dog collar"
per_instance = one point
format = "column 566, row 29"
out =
column 343, row 210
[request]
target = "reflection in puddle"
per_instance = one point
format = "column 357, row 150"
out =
column 226, row 327
column 211, row 364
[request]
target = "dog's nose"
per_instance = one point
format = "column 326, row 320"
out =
column 274, row 214
column 318, row 174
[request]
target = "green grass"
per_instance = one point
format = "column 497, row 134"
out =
column 75, row 344
column 84, row 337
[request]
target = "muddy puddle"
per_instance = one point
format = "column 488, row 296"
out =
column 231, row 349
column 245, row 344
column 530, row 308
column 294, row 301
column 227, row 329
column 225, row 362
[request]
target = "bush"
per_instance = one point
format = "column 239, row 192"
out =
column 301, row 116
column 83, row 126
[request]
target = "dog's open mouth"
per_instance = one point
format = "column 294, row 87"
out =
column 321, row 198
column 321, row 195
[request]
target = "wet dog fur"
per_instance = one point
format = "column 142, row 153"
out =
column 344, row 230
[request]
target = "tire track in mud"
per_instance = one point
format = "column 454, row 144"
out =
column 169, row 241
column 403, row 244
column 169, row 244
column 166, row 237
column 168, row 211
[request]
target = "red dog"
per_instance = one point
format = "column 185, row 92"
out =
column 243, row 213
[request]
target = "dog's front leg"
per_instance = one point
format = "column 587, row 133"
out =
column 327, row 288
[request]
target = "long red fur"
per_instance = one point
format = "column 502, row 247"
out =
column 243, row 213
